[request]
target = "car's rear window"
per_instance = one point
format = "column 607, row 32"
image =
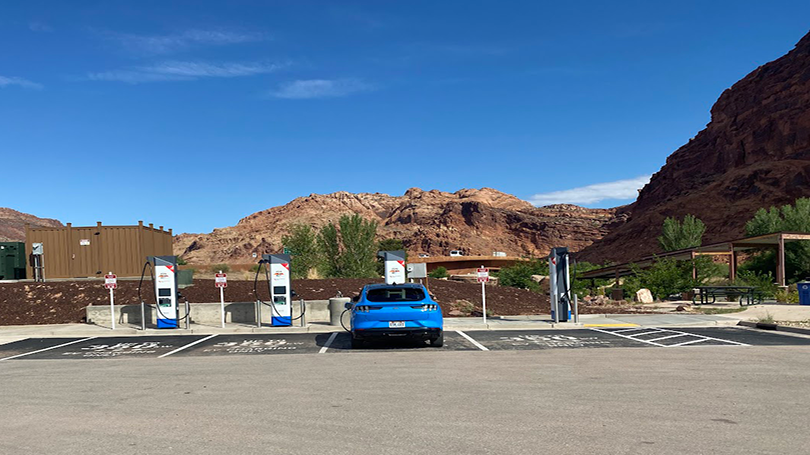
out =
column 395, row 295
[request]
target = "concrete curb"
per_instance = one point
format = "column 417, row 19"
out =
column 776, row 327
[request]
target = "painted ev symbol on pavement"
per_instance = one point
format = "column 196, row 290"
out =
column 118, row 349
column 554, row 341
column 253, row 346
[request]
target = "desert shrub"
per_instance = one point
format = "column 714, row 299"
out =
column 520, row 274
column 787, row 296
column 583, row 287
column 439, row 272
column 181, row 261
column 762, row 282
column 220, row 267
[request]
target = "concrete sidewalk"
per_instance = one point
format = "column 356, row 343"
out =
column 14, row 333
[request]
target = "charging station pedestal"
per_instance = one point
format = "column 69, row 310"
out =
column 280, row 293
column 559, row 284
column 394, row 266
column 166, row 290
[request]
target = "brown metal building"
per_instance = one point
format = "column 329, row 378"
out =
column 81, row 252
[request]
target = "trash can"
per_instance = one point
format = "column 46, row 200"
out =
column 804, row 292
column 336, row 307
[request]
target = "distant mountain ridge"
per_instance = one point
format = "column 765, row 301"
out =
column 477, row 221
column 12, row 224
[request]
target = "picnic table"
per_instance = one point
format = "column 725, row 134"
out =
column 746, row 293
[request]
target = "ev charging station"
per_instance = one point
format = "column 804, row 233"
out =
column 559, row 284
column 280, row 292
column 394, row 266
column 165, row 269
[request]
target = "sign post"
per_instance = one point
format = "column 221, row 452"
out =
column 221, row 281
column 483, row 277
column 111, row 282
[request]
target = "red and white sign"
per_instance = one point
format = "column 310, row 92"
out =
column 483, row 275
column 110, row 281
column 221, row 280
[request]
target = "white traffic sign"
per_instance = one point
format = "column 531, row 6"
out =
column 221, row 282
column 483, row 277
column 111, row 282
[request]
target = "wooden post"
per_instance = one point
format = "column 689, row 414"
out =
column 694, row 267
column 732, row 263
column 780, row 261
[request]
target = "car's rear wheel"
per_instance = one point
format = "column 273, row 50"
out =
column 437, row 341
column 357, row 343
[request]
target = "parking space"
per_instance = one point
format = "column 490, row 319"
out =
column 114, row 347
column 340, row 342
column 253, row 344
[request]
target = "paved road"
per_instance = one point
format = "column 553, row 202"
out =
column 716, row 399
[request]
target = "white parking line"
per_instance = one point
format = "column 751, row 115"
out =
column 477, row 344
column 187, row 346
column 669, row 336
column 47, row 349
column 690, row 342
column 677, row 333
column 328, row 343
column 628, row 337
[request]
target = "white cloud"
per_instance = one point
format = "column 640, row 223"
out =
column 185, row 71
column 591, row 194
column 166, row 44
column 18, row 81
column 320, row 88
column 41, row 27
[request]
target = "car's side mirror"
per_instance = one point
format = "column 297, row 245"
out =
column 356, row 298
column 293, row 293
column 348, row 305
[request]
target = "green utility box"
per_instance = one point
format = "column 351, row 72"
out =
column 12, row 260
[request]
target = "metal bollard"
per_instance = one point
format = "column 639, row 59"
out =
column 188, row 315
column 576, row 310
column 143, row 316
column 258, row 314
column 303, row 314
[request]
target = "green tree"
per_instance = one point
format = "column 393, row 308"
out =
column 439, row 272
column 359, row 255
column 794, row 218
column 329, row 252
column 303, row 246
column 678, row 236
column 348, row 252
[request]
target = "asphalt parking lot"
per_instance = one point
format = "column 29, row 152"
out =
column 163, row 346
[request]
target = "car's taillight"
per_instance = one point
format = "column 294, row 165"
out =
column 429, row 307
column 363, row 308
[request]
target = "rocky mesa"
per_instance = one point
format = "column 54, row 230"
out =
column 477, row 221
column 12, row 224
column 754, row 153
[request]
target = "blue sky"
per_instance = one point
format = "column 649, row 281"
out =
column 194, row 114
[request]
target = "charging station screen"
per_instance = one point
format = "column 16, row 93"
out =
column 163, row 292
column 279, row 289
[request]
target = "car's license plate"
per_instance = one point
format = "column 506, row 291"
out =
column 396, row 324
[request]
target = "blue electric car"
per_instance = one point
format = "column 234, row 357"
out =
column 396, row 310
